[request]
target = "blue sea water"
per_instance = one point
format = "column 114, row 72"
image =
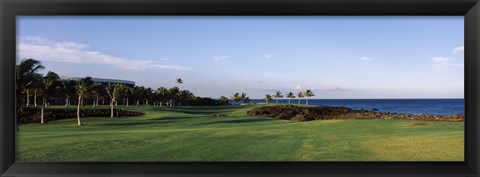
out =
column 412, row 106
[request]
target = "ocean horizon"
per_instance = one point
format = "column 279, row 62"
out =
column 435, row 106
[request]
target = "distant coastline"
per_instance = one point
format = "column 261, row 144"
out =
column 441, row 106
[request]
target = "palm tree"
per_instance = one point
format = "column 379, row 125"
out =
column 68, row 89
column 173, row 94
column 267, row 98
column 48, row 87
column 127, row 92
column 245, row 98
column 33, row 86
column 307, row 94
column 82, row 88
column 179, row 96
column 300, row 95
column 277, row 95
column 148, row 95
column 161, row 94
column 290, row 95
column 113, row 91
column 35, row 96
column 27, row 91
column 138, row 94
column 97, row 92
column 26, row 73
column 236, row 97
column 178, row 81
column 37, row 82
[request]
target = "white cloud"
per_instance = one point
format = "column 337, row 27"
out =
column 442, row 63
column 71, row 52
column 458, row 49
column 429, row 30
column 366, row 59
column 297, row 87
column 165, row 59
column 219, row 58
column 269, row 56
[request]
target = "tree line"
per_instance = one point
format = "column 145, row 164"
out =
column 289, row 96
column 29, row 83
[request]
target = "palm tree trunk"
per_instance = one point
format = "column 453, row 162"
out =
column 111, row 109
column 298, row 100
column 276, row 101
column 41, row 114
column 35, row 98
column 78, row 111
column 66, row 102
column 127, row 102
column 160, row 103
column 28, row 97
column 138, row 102
column 93, row 103
column 306, row 103
column 289, row 101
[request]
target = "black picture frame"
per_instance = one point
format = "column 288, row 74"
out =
column 9, row 9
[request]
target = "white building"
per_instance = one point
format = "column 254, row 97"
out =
column 100, row 81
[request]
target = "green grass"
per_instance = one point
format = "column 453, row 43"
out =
column 194, row 134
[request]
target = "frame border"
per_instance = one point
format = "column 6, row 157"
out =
column 470, row 9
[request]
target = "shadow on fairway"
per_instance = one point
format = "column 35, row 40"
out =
column 236, row 121
column 166, row 120
column 177, row 119
column 205, row 109
column 201, row 112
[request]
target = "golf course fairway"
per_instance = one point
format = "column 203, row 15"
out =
column 226, row 133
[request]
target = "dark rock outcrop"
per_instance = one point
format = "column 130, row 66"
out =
column 301, row 113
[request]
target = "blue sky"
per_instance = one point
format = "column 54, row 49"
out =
column 336, row 57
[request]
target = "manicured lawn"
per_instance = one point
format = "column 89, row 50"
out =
column 195, row 134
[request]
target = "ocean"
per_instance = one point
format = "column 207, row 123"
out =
column 412, row 106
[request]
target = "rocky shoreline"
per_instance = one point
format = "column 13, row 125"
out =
column 302, row 113
column 32, row 115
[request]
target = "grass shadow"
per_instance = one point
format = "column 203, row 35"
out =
column 166, row 120
column 204, row 110
column 172, row 118
column 201, row 112
column 236, row 121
